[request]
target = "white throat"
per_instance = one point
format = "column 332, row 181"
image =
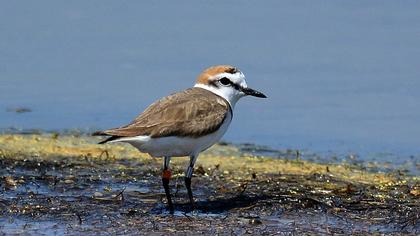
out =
column 226, row 94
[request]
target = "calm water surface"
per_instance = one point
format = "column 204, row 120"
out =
column 341, row 76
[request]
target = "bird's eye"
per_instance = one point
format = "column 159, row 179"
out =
column 225, row 81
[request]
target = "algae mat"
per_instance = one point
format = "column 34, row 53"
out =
column 54, row 184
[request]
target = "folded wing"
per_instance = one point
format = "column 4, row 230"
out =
column 190, row 113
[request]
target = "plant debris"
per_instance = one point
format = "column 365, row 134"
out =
column 63, row 184
column 19, row 110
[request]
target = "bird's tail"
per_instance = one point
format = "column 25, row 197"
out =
column 103, row 133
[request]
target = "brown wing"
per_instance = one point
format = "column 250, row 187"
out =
column 193, row 112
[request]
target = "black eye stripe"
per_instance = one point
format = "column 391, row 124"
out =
column 226, row 81
column 213, row 83
column 236, row 86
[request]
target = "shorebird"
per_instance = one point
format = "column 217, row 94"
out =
column 186, row 123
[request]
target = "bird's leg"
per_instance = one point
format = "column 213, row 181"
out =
column 166, row 176
column 188, row 176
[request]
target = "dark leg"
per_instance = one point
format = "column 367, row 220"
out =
column 190, row 195
column 166, row 176
column 168, row 195
column 188, row 176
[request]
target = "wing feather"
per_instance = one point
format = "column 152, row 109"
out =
column 193, row 112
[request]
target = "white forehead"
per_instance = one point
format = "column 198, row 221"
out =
column 237, row 78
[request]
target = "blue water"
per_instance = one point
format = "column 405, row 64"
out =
column 341, row 76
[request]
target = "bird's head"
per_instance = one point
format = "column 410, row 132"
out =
column 227, row 82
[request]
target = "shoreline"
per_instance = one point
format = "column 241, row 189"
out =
column 371, row 161
column 54, row 178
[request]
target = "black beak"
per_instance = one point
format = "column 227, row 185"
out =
column 252, row 92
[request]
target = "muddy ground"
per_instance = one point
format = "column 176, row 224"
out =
column 52, row 184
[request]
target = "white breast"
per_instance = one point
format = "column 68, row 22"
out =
column 177, row 146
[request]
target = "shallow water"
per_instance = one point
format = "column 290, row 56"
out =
column 77, row 196
column 341, row 77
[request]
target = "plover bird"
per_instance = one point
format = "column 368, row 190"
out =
column 186, row 123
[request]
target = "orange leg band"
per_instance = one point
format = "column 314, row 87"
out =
column 166, row 174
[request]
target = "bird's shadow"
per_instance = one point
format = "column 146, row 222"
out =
column 221, row 205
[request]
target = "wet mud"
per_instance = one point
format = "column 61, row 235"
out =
column 69, row 185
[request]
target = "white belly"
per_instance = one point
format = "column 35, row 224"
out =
column 177, row 146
